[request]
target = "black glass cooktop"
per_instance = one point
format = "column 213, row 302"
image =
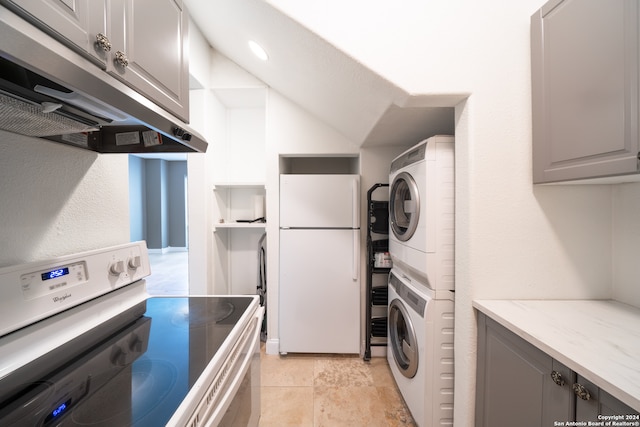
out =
column 133, row 370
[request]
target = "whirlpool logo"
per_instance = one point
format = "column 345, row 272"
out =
column 61, row 298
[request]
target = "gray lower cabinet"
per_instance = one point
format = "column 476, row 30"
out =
column 519, row 384
column 599, row 402
column 143, row 43
column 585, row 74
column 514, row 385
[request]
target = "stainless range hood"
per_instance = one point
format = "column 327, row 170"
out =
column 49, row 91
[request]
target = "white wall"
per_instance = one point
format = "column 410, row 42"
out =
column 244, row 145
column 626, row 243
column 199, row 59
column 512, row 240
column 58, row 200
column 203, row 118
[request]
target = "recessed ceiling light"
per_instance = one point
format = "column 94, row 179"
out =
column 258, row 50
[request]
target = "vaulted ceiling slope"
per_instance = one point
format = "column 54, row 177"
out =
column 325, row 81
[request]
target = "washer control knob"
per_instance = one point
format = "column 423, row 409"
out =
column 116, row 268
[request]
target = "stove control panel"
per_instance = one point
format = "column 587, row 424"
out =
column 33, row 291
column 43, row 282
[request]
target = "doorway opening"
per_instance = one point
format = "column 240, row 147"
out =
column 158, row 213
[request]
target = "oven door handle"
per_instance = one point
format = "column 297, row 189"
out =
column 218, row 410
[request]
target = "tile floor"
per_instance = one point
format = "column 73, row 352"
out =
column 329, row 391
column 306, row 390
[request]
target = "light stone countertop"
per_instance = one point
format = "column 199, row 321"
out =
column 598, row 339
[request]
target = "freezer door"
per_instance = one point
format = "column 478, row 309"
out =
column 320, row 201
column 319, row 291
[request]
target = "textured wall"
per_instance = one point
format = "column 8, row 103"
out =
column 56, row 200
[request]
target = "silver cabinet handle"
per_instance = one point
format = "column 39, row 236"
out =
column 557, row 378
column 103, row 42
column 581, row 391
column 121, row 59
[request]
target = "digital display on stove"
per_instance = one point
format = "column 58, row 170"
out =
column 58, row 272
column 58, row 411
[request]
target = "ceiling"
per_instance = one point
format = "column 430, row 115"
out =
column 325, row 81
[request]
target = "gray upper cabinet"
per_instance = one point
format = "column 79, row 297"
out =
column 141, row 42
column 75, row 22
column 149, row 50
column 585, row 89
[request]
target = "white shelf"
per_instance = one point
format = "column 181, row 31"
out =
column 237, row 225
column 227, row 185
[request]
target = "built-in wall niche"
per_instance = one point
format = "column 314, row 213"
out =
column 239, row 205
column 239, row 174
column 236, row 264
column 240, row 154
column 320, row 165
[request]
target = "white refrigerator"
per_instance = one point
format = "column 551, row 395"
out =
column 319, row 264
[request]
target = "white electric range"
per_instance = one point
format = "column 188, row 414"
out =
column 82, row 343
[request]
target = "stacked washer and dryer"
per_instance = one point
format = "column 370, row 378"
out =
column 421, row 283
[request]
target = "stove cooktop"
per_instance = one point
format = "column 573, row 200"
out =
column 134, row 369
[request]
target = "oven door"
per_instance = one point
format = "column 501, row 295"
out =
column 233, row 398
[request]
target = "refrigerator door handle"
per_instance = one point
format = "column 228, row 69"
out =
column 355, row 272
column 355, row 199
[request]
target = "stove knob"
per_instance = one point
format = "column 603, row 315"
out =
column 118, row 357
column 116, row 268
column 135, row 345
column 134, row 262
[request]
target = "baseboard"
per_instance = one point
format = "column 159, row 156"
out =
column 273, row 346
column 378, row 351
column 167, row 250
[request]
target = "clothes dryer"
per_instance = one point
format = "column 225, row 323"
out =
column 421, row 212
column 420, row 349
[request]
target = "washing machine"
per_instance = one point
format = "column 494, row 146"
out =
column 420, row 349
column 421, row 212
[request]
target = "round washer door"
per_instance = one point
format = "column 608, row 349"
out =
column 402, row 337
column 404, row 206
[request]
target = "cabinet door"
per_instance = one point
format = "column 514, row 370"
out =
column 585, row 89
column 74, row 22
column 515, row 386
column 597, row 402
column 152, row 35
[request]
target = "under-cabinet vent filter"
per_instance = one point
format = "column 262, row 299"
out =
column 28, row 119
